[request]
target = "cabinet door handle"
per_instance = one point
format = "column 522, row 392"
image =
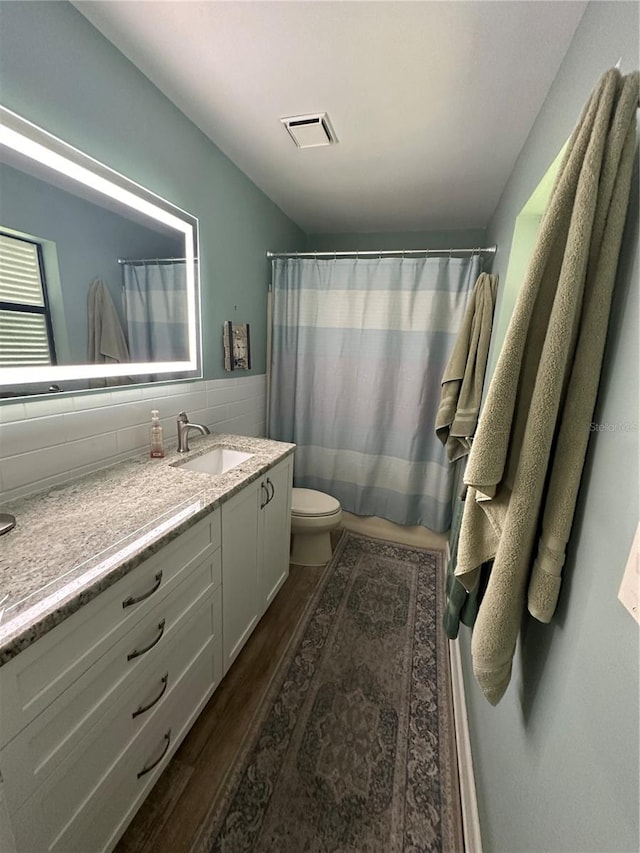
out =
column 264, row 488
column 273, row 489
column 145, row 770
column 137, row 652
column 144, row 708
column 131, row 600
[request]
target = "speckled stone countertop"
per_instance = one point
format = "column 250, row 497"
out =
column 73, row 541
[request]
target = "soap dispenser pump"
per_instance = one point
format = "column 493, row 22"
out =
column 157, row 442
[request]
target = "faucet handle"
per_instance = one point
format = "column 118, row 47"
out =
column 183, row 417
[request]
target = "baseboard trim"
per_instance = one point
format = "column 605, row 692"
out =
column 469, row 801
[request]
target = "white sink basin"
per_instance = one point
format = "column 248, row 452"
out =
column 217, row 461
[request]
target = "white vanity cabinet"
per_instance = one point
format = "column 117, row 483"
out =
column 256, row 525
column 91, row 712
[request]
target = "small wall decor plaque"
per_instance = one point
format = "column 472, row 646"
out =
column 237, row 346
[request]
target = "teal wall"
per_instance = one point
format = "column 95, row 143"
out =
column 61, row 73
column 556, row 761
column 464, row 239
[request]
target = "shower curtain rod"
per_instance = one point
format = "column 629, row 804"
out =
column 489, row 250
column 152, row 260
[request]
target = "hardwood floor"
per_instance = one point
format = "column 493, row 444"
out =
column 170, row 819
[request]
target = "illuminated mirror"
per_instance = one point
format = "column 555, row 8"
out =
column 99, row 281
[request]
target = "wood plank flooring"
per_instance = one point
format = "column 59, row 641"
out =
column 171, row 817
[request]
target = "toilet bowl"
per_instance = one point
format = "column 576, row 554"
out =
column 313, row 516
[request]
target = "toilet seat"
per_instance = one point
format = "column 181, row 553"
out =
column 309, row 503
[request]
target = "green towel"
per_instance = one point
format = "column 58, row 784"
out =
column 525, row 465
column 457, row 415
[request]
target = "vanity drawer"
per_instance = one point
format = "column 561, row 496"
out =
column 78, row 810
column 33, row 679
column 184, row 624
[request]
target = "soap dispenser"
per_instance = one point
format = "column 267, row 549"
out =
column 157, row 442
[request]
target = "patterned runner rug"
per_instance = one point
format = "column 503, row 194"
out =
column 353, row 749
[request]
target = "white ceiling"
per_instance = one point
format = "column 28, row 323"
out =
column 431, row 101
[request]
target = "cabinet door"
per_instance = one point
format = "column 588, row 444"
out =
column 241, row 602
column 276, row 531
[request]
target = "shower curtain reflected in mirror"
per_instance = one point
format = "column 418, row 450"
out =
column 359, row 347
column 155, row 307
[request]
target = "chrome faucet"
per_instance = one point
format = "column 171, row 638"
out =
column 184, row 426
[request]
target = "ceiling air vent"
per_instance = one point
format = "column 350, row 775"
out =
column 310, row 131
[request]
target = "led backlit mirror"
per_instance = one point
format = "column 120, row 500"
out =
column 99, row 282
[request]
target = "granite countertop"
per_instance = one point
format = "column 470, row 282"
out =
column 74, row 540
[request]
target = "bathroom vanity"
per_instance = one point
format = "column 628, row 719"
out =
column 130, row 594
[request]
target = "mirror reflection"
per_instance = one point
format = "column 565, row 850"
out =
column 98, row 277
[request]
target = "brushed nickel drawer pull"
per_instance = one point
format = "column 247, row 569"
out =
column 137, row 652
column 148, row 769
column 131, row 600
column 143, row 708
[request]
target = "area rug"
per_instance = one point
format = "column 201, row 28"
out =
column 353, row 749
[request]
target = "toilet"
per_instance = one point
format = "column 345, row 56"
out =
column 313, row 516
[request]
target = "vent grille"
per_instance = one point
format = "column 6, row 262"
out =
column 310, row 131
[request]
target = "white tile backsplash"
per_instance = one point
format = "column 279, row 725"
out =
column 184, row 402
column 46, row 441
column 21, row 473
column 132, row 438
column 95, row 400
column 212, row 416
column 19, row 437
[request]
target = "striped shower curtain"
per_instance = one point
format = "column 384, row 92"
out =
column 155, row 301
column 359, row 347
